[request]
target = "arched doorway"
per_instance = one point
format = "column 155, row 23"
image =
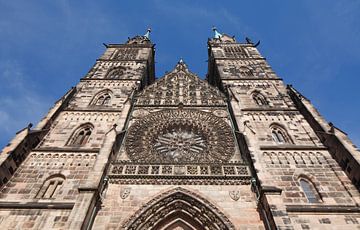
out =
column 178, row 209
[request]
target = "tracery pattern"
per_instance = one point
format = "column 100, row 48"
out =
column 174, row 136
column 180, row 86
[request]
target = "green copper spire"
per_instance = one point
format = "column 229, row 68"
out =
column 216, row 33
column 147, row 34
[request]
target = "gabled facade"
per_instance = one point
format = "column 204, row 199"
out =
column 239, row 150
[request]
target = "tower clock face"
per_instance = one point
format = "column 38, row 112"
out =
column 180, row 136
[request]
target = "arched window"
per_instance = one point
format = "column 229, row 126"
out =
column 245, row 71
column 81, row 135
column 279, row 135
column 115, row 73
column 309, row 191
column 51, row 186
column 259, row 99
column 102, row 99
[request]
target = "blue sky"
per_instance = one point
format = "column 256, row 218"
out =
column 47, row 46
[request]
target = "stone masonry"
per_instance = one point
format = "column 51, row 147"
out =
column 238, row 150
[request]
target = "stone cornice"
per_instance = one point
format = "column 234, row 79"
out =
column 320, row 208
column 36, row 205
column 292, row 147
column 67, row 149
column 271, row 109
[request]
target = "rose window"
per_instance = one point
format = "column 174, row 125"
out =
column 180, row 136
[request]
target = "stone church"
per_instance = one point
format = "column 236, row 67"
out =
column 238, row 150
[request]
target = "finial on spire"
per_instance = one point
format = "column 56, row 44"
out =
column 181, row 61
column 147, row 34
column 216, row 33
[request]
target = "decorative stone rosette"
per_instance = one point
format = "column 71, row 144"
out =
column 180, row 136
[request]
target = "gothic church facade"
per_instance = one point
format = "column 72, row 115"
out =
column 238, row 150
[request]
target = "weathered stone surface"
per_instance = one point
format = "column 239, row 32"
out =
column 237, row 151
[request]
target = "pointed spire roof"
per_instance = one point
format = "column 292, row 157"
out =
column 181, row 87
column 216, row 32
column 221, row 38
column 138, row 39
column 147, row 34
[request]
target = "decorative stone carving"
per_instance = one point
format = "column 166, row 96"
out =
column 182, row 203
column 171, row 136
column 126, row 53
column 125, row 192
column 176, row 170
column 220, row 113
column 181, row 86
column 235, row 195
column 140, row 113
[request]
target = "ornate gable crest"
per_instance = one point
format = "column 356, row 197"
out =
column 180, row 86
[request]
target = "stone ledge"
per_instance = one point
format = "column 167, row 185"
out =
column 107, row 79
column 323, row 208
column 37, row 205
column 68, row 149
column 189, row 177
column 253, row 78
column 292, row 147
column 272, row 109
column 180, row 181
column 150, row 45
column 94, row 109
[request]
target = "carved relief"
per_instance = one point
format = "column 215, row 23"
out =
column 174, row 170
column 181, row 86
column 182, row 203
column 235, row 195
column 140, row 113
column 245, row 69
column 125, row 192
column 126, row 70
column 171, row 136
column 126, row 53
column 220, row 113
column 295, row 158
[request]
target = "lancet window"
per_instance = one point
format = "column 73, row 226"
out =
column 259, row 99
column 81, row 136
column 279, row 135
column 102, row 98
column 309, row 191
column 51, row 187
column 116, row 73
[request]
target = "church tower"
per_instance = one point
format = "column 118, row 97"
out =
column 303, row 166
column 239, row 150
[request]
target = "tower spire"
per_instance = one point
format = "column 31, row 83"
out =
column 147, row 34
column 216, row 32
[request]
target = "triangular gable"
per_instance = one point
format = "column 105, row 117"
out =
column 180, row 86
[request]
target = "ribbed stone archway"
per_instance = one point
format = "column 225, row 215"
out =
column 178, row 209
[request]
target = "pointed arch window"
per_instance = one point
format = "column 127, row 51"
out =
column 51, row 187
column 259, row 99
column 81, row 135
column 309, row 190
column 116, row 73
column 279, row 135
column 102, row 99
column 246, row 72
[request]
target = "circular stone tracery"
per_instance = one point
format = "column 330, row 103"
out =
column 180, row 136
